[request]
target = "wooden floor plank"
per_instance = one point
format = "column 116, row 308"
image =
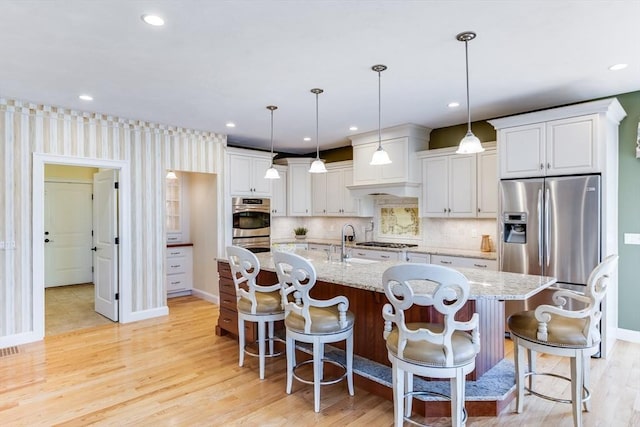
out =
column 175, row 370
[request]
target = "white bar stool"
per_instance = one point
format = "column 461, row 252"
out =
column 257, row 303
column 312, row 321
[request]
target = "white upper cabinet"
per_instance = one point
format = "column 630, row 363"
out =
column 279, row 193
column 246, row 173
column 402, row 176
column 559, row 141
column 487, row 182
column 299, row 187
column 331, row 197
column 397, row 171
column 522, row 151
column 459, row 185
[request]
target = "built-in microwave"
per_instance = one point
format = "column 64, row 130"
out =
column 251, row 223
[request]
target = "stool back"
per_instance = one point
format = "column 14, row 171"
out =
column 592, row 313
column 245, row 268
column 297, row 276
column 443, row 288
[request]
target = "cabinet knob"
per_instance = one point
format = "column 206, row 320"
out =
column 445, row 210
column 541, row 166
column 548, row 165
column 478, row 209
column 449, row 210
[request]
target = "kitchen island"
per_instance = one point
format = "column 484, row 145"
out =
column 361, row 282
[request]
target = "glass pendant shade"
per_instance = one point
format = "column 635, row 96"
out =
column 470, row 144
column 271, row 173
column 317, row 167
column 380, row 157
column 171, row 175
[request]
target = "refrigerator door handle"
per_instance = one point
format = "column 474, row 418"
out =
column 546, row 225
column 540, row 241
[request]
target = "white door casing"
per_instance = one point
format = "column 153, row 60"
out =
column 105, row 258
column 67, row 237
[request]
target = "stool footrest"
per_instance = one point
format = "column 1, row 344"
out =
column 430, row 393
column 586, row 395
column 322, row 382
column 254, row 354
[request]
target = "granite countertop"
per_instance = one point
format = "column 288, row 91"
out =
column 432, row 250
column 485, row 284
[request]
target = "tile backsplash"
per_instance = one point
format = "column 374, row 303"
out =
column 444, row 233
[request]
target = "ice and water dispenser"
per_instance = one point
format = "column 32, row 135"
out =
column 515, row 227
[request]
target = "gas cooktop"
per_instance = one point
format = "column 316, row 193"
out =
column 387, row 245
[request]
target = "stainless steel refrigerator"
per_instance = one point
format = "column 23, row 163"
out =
column 550, row 227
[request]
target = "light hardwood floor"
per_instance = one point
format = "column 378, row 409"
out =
column 175, row 371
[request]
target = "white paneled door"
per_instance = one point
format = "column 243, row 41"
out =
column 67, row 233
column 105, row 258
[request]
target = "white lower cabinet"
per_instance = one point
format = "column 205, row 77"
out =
column 418, row 257
column 374, row 254
column 179, row 270
column 464, row 262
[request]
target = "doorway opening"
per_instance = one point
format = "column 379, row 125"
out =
column 57, row 245
column 69, row 249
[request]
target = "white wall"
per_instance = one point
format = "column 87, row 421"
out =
column 148, row 148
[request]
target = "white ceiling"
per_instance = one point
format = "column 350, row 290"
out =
column 218, row 61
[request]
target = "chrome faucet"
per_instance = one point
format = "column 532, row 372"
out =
column 343, row 252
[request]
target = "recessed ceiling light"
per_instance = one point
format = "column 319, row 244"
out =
column 617, row 67
column 230, row 125
column 86, row 97
column 353, row 128
column 154, row 20
column 306, row 138
column 453, row 104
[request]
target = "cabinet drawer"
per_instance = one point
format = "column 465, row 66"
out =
column 177, row 282
column 454, row 261
column 176, row 252
column 373, row 254
column 227, row 286
column 176, row 265
column 228, row 301
column 224, row 270
column 228, row 320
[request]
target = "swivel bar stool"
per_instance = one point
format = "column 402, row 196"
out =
column 562, row 332
column 436, row 350
column 256, row 303
column 312, row 321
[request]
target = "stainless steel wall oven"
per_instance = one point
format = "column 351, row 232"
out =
column 251, row 223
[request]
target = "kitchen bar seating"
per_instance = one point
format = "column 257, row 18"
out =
column 256, row 303
column 562, row 332
column 436, row 350
column 312, row 321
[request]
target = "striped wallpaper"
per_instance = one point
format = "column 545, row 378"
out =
column 150, row 149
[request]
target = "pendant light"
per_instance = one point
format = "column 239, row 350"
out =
column 380, row 157
column 171, row 175
column 470, row 143
column 272, row 173
column 318, row 165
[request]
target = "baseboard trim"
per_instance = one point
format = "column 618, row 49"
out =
column 18, row 339
column 206, row 296
column 628, row 335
